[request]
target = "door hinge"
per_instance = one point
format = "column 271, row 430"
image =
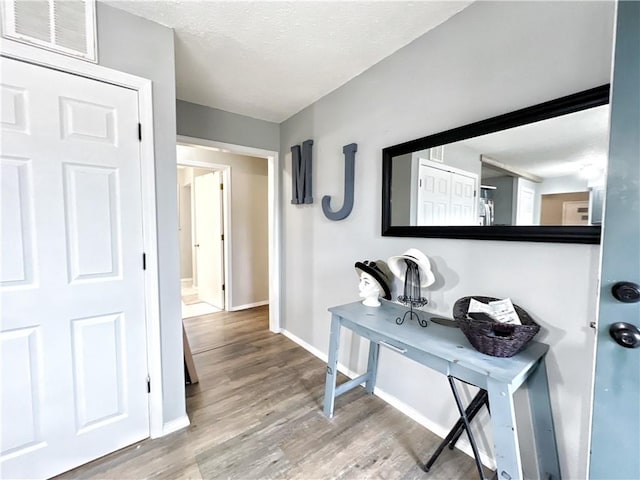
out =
column 223, row 287
column 222, row 237
column 140, row 131
column 148, row 384
column 221, row 186
column 144, row 261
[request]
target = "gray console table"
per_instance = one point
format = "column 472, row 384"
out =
column 448, row 351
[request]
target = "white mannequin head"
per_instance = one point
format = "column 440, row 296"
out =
column 369, row 290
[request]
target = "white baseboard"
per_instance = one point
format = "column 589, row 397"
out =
column 175, row 425
column 249, row 305
column 308, row 347
column 440, row 430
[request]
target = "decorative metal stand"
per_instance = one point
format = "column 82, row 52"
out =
column 412, row 295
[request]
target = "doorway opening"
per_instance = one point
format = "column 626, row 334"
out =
column 202, row 216
column 250, row 249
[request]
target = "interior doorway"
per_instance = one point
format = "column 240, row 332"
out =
column 251, row 255
column 201, row 227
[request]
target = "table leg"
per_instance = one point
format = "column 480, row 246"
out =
column 505, row 433
column 332, row 367
column 545, row 437
column 372, row 366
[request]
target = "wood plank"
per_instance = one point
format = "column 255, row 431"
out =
column 257, row 413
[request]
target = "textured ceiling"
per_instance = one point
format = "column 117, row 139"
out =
column 555, row 147
column 269, row 60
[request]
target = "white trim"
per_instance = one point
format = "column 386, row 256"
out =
column 143, row 86
column 308, row 347
column 462, row 444
column 150, row 233
column 226, row 219
column 249, row 305
column 274, row 215
column 174, row 425
column 440, row 430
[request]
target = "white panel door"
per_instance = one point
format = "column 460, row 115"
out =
column 73, row 337
column 209, row 243
column 434, row 195
column 463, row 200
column 525, row 203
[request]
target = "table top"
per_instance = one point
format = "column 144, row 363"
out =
column 447, row 343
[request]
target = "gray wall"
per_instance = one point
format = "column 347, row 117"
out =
column 460, row 156
column 212, row 124
column 140, row 47
column 502, row 199
column 401, row 190
column 492, row 58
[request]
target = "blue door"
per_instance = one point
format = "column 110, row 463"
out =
column 615, row 436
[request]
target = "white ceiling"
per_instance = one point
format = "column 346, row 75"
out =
column 555, row 147
column 271, row 59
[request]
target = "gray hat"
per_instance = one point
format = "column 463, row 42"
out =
column 380, row 273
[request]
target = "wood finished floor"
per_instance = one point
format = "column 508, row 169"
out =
column 257, row 414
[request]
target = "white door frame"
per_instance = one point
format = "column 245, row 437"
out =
column 143, row 86
column 273, row 170
column 226, row 214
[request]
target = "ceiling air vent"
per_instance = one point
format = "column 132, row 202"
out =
column 64, row 26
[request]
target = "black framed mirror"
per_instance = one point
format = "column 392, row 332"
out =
column 535, row 174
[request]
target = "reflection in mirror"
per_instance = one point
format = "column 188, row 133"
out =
column 549, row 172
column 535, row 174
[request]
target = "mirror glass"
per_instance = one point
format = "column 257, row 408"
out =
column 539, row 167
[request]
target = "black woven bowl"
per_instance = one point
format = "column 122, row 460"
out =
column 495, row 338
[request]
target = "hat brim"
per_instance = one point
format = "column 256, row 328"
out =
column 398, row 266
column 375, row 273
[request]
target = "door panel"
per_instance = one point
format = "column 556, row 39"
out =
column 615, row 437
column 463, row 200
column 17, row 218
column 92, row 221
column 73, row 332
column 98, row 352
column 208, row 229
column 433, row 196
column 21, row 371
column 525, row 203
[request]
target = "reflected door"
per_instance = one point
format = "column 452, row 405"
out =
column 525, row 203
column 463, row 200
column 575, row 213
column 73, row 338
column 434, row 196
column 446, row 197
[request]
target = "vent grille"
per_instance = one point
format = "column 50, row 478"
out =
column 65, row 26
column 32, row 19
column 70, row 26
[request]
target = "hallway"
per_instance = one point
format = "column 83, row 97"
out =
column 257, row 413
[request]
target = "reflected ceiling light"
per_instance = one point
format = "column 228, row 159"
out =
column 591, row 171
